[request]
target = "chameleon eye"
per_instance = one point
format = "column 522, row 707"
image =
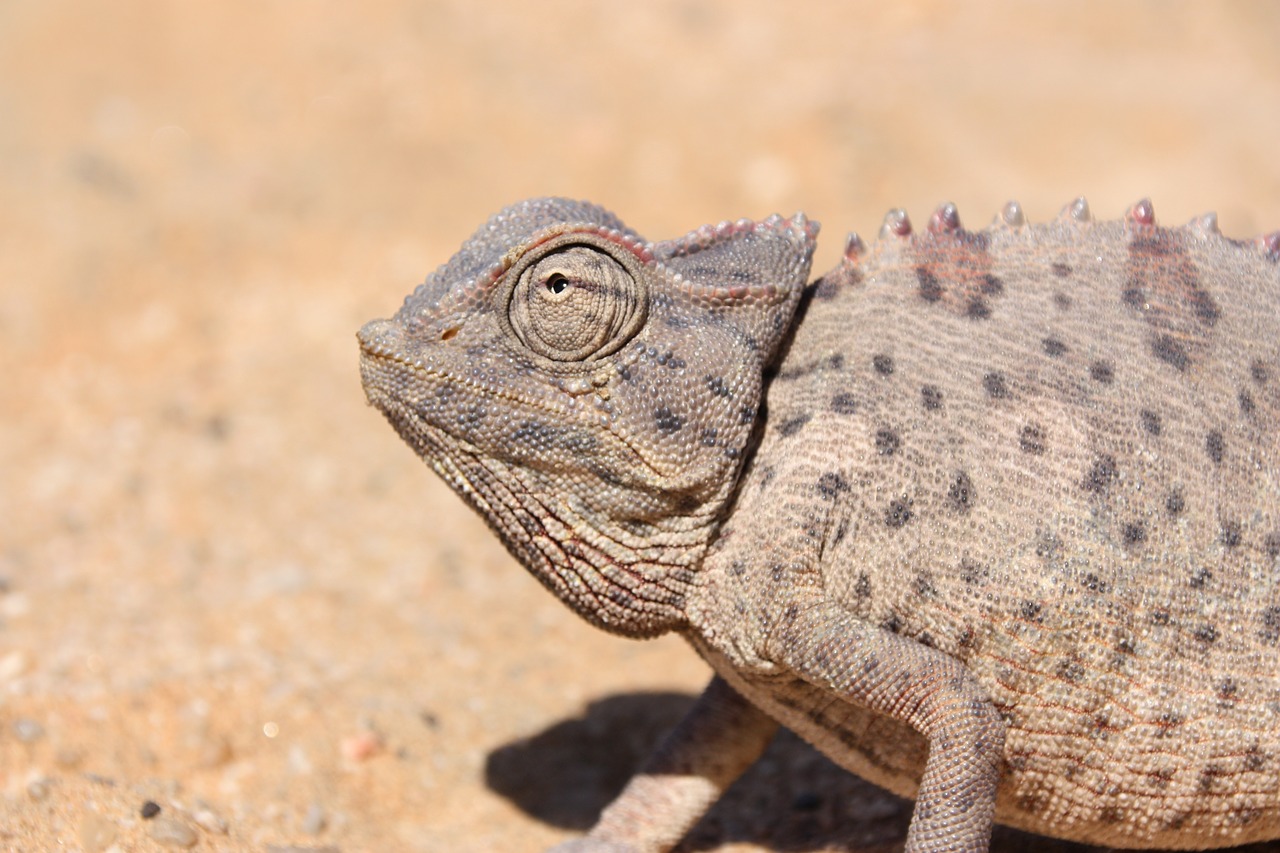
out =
column 575, row 302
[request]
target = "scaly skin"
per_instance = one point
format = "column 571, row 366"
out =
column 991, row 518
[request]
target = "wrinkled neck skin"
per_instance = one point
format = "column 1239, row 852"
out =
column 615, row 538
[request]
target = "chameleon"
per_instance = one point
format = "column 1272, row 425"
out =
column 991, row 518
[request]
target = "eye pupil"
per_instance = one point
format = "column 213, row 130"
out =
column 557, row 283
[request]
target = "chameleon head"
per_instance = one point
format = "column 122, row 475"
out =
column 592, row 394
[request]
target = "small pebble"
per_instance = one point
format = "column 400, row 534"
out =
column 315, row 820
column 210, row 821
column 361, row 747
column 172, row 832
column 27, row 731
column 96, row 833
column 150, row 809
column 38, row 787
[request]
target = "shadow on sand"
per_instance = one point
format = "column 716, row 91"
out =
column 793, row 799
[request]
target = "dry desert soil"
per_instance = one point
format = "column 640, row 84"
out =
column 236, row 613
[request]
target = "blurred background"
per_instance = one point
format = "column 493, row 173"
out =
column 227, row 588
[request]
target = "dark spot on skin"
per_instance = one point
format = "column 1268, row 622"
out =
column 624, row 373
column 862, row 586
column 1271, row 545
column 1031, row 439
column 746, row 415
column 1174, row 502
column 1071, row 670
column 1134, row 533
column 887, row 442
column 991, row 285
column 1270, row 630
column 1243, row 815
column 1093, row 583
column 832, row 484
column 826, row 288
column 1150, row 422
column 960, row 493
column 841, row 531
column 977, row 308
column 1053, row 347
column 667, row 420
column 1255, row 759
column 1101, row 475
column 931, row 397
column 836, row 361
column 767, row 473
column 1160, row 616
column 1258, row 370
column 1111, row 814
column 1166, row 723
column 1134, row 298
column 1060, row 269
column 893, row 624
column 1231, row 533
column 924, row 586
column 1030, row 611
column 1205, row 306
column 1028, row 803
column 883, row 364
column 1206, row 634
column 793, row 425
column 1200, row 578
column 1247, row 406
column 717, row 387
column 1048, row 545
column 996, row 386
column 708, row 437
column 930, row 290
column 844, row 403
column 1171, row 351
column 971, row 572
column 1216, row 446
column 1126, row 646
column 1208, row 777
column 1062, row 301
column 1102, row 371
column 898, row 513
column 777, row 572
column 1228, row 692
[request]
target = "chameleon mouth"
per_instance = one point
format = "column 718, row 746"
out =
column 385, row 372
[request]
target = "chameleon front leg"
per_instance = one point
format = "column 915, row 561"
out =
column 931, row 692
column 720, row 737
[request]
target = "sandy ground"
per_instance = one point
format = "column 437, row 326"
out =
column 226, row 588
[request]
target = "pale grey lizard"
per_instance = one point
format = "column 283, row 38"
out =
column 992, row 518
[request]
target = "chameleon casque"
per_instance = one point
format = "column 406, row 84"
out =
column 992, row 518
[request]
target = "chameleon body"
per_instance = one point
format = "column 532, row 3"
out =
column 992, row 518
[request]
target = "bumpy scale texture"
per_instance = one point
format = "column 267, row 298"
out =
column 990, row 517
